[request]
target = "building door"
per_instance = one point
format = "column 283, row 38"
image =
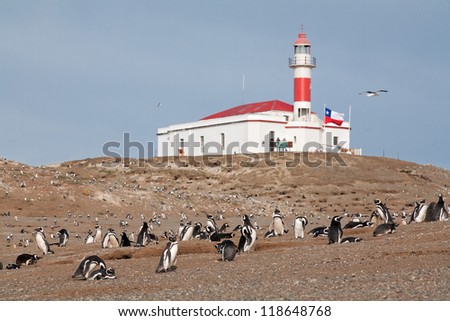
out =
column 271, row 141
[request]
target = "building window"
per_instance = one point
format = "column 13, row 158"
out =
column 303, row 112
column 222, row 140
column 181, row 143
column 335, row 140
column 202, row 143
column 295, row 140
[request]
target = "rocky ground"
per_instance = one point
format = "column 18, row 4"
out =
column 411, row 264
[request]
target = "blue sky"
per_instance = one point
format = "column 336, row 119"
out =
column 77, row 74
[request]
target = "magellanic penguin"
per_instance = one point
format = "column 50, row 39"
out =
column 319, row 231
column 419, row 212
column 89, row 238
column 168, row 259
column 381, row 213
column 351, row 239
column 27, row 259
column 102, row 274
column 227, row 250
column 335, row 230
column 277, row 226
column 88, row 265
column 12, row 266
column 98, row 234
column 124, row 240
column 437, row 211
column 299, row 225
column 385, row 228
column 41, row 241
column 211, row 225
column 187, row 232
column 110, row 239
column 63, row 237
column 142, row 239
column 248, row 235
column 354, row 223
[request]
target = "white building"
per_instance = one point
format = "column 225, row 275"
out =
column 263, row 126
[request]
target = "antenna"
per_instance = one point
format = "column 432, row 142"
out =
column 243, row 88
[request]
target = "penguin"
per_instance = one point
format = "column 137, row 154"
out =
column 12, row 266
column 89, row 238
column 63, row 237
column 26, row 259
column 197, row 229
column 227, row 249
column 319, row 231
column 223, row 228
column 187, row 232
column 354, row 223
column 351, row 239
column 88, row 265
column 211, row 225
column 248, row 235
column 181, row 228
column 102, row 274
column 152, row 238
column 225, row 235
column 142, row 238
column 299, row 225
column 437, row 211
column 366, row 223
column 381, row 213
column 277, row 226
column 124, row 240
column 41, row 242
column 335, row 230
column 385, row 228
column 214, row 237
column 269, row 234
column 419, row 212
column 168, row 257
column 98, row 234
column 110, row 239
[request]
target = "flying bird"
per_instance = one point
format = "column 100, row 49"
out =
column 373, row 93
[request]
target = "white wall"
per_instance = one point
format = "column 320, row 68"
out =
column 246, row 134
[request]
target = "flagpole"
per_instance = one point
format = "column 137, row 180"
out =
column 349, row 115
column 324, row 135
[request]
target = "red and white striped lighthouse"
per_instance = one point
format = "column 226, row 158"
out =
column 302, row 63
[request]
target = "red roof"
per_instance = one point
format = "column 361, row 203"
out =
column 260, row 107
column 302, row 40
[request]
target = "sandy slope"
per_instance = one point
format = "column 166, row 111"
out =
column 411, row 264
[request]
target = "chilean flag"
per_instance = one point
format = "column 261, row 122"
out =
column 333, row 117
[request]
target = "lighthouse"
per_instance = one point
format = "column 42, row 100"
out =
column 262, row 126
column 302, row 63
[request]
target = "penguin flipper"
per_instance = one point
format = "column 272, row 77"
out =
column 241, row 243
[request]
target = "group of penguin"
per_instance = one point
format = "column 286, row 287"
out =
column 42, row 245
column 384, row 220
column 94, row 268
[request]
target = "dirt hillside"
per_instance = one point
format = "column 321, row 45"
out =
column 411, row 264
